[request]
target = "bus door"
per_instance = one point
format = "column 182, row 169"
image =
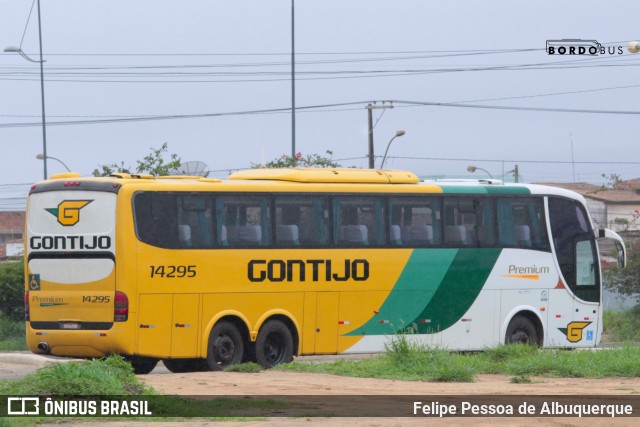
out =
column 574, row 305
column 326, row 339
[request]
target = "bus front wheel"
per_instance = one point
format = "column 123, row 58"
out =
column 274, row 344
column 521, row 330
column 225, row 346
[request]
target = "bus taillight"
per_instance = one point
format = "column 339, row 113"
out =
column 26, row 306
column 121, row 307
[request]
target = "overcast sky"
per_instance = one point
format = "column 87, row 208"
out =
column 133, row 59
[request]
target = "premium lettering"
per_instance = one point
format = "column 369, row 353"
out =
column 534, row 269
column 261, row 270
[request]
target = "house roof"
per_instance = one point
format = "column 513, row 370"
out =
column 622, row 195
column 12, row 222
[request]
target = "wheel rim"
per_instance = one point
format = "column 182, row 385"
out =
column 224, row 349
column 274, row 349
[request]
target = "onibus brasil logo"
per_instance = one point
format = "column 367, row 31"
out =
column 68, row 211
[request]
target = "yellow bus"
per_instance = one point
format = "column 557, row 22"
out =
column 272, row 263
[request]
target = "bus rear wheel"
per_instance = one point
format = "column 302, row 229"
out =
column 143, row 365
column 522, row 330
column 274, row 344
column 226, row 346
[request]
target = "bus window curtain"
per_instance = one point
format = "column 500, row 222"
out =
column 265, row 223
column 537, row 237
column 505, row 223
column 378, row 207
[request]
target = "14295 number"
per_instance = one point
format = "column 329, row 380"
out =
column 173, row 271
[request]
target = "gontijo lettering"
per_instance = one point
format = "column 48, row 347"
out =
column 261, row 270
column 70, row 242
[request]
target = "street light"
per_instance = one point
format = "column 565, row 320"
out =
column 472, row 169
column 43, row 157
column 398, row 133
column 19, row 51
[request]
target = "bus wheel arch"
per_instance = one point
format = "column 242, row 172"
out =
column 277, row 341
column 525, row 327
column 226, row 343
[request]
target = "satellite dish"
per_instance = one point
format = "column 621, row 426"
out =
column 192, row 168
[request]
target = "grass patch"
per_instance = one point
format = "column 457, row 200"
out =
column 622, row 326
column 108, row 376
column 249, row 367
column 520, row 379
column 12, row 335
column 405, row 360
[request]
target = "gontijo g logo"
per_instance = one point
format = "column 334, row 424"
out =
column 68, row 212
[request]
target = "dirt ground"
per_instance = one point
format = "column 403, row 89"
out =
column 295, row 384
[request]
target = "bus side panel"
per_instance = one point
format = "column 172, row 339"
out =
column 327, row 322
column 185, row 327
column 154, row 318
column 477, row 328
column 357, row 308
column 308, row 340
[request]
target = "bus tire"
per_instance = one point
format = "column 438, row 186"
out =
column 521, row 330
column 274, row 344
column 143, row 365
column 178, row 366
column 225, row 347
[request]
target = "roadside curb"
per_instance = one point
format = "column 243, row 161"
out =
column 32, row 359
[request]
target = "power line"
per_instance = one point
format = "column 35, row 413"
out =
column 316, row 107
column 454, row 159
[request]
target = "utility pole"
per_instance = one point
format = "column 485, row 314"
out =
column 293, row 82
column 370, row 107
column 516, row 174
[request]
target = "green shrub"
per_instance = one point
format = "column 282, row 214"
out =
column 12, row 335
column 12, row 289
column 109, row 376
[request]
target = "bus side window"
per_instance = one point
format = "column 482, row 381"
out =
column 469, row 222
column 358, row 221
column 155, row 216
column 245, row 220
column 521, row 223
column 417, row 220
column 195, row 221
column 301, row 220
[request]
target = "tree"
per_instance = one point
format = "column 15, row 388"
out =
column 627, row 280
column 300, row 161
column 154, row 163
column 12, row 289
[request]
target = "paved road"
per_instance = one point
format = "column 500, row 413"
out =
column 15, row 365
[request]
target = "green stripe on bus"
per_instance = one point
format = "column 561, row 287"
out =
column 460, row 189
column 435, row 289
column 458, row 290
column 418, row 282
